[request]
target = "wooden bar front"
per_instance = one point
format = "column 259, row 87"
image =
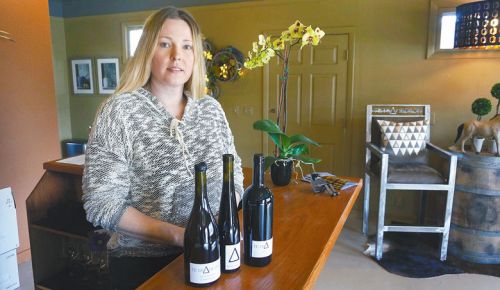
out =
column 306, row 227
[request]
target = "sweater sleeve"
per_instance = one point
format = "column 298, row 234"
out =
column 105, row 178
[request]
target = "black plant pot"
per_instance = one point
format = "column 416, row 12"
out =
column 281, row 172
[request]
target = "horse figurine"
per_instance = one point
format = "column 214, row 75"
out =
column 467, row 130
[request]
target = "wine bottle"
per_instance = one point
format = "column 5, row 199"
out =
column 258, row 218
column 201, row 238
column 229, row 225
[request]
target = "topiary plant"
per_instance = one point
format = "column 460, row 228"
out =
column 481, row 107
column 495, row 92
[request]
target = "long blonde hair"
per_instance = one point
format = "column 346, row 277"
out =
column 137, row 73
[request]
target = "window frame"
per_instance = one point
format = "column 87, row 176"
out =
column 437, row 9
column 126, row 27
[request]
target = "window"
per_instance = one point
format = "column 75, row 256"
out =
column 131, row 34
column 447, row 33
column 441, row 34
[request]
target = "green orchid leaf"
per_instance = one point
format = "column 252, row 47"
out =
column 299, row 138
column 267, row 126
column 276, row 139
column 285, row 142
column 307, row 159
column 299, row 149
column 268, row 160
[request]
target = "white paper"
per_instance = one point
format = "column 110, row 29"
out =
column 77, row 160
column 9, row 275
column 9, row 237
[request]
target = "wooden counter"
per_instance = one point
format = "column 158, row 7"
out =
column 306, row 227
column 60, row 234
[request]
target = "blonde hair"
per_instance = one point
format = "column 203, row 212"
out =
column 138, row 70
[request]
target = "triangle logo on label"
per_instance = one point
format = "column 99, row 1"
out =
column 234, row 256
column 206, row 271
column 266, row 246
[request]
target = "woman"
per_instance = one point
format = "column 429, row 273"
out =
column 138, row 178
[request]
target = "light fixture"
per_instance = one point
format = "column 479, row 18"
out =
column 477, row 25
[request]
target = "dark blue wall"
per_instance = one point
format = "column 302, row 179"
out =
column 76, row 8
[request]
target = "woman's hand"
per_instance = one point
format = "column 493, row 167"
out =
column 135, row 223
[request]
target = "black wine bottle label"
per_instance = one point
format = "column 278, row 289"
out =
column 232, row 254
column 204, row 273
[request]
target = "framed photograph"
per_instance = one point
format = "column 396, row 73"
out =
column 107, row 75
column 82, row 76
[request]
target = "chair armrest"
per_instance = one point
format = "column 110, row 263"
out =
column 442, row 153
column 375, row 149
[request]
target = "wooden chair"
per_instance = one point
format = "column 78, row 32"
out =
column 397, row 167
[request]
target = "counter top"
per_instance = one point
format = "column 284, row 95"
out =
column 306, row 227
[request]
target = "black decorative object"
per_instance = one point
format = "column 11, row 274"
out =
column 281, row 172
column 477, row 25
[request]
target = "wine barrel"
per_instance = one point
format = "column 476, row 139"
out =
column 475, row 221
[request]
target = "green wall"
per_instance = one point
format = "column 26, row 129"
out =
column 389, row 60
column 61, row 77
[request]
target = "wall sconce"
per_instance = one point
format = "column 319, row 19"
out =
column 477, row 25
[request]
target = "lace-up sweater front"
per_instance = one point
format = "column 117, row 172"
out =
column 139, row 155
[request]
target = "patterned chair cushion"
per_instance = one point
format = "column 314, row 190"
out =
column 404, row 138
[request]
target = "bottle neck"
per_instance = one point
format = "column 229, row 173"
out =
column 228, row 176
column 201, row 189
column 258, row 171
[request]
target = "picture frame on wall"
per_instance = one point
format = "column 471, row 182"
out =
column 108, row 75
column 82, row 76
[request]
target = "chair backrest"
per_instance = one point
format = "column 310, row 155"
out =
column 395, row 113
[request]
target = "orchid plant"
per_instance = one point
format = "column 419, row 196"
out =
column 267, row 47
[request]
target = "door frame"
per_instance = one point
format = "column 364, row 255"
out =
column 348, row 122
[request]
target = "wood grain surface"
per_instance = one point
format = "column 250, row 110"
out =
column 306, row 227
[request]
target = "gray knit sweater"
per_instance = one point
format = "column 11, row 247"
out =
column 139, row 155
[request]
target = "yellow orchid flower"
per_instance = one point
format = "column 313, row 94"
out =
column 266, row 47
column 311, row 36
column 320, row 33
column 296, row 30
column 278, row 44
column 255, row 47
column 286, row 36
column 262, row 39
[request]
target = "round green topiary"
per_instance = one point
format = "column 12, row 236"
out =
column 481, row 107
column 495, row 92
